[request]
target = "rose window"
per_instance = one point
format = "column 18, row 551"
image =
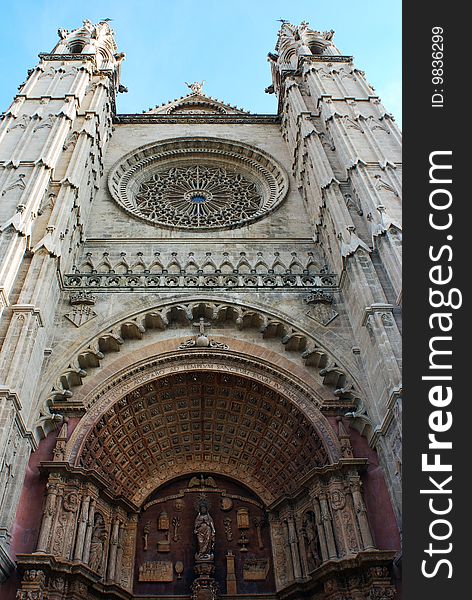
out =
column 198, row 196
column 198, row 183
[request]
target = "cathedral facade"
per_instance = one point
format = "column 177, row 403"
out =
column 200, row 390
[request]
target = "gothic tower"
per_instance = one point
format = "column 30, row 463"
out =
column 200, row 334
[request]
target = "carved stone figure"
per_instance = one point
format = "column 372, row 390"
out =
column 197, row 87
column 97, row 543
column 312, row 544
column 205, row 531
column 179, row 504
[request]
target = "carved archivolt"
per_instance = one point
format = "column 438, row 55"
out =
column 160, row 318
column 198, row 183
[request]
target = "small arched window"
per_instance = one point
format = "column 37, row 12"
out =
column 76, row 47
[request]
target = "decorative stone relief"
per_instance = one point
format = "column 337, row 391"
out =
column 82, row 310
column 210, row 270
column 322, row 310
column 228, row 529
column 162, row 570
column 255, row 569
column 158, row 405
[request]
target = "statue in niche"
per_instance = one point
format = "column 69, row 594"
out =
column 99, row 535
column 205, row 531
column 312, row 543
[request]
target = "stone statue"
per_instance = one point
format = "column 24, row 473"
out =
column 312, row 542
column 196, row 88
column 205, row 531
column 97, row 543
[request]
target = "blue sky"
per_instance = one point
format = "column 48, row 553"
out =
column 223, row 42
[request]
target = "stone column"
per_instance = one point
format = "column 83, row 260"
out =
column 361, row 513
column 119, row 553
column 278, row 550
column 301, row 541
column 293, row 541
column 82, row 528
column 113, row 549
column 287, row 552
column 340, row 502
column 125, row 576
column 89, row 531
column 320, row 528
column 56, row 525
column 49, row 513
column 327, row 526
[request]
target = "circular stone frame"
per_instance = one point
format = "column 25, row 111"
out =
column 138, row 166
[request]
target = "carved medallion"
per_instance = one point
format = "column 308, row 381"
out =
column 226, row 503
column 179, row 504
column 338, row 500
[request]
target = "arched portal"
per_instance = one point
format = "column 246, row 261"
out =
column 219, row 435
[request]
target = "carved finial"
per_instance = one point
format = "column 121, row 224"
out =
column 61, row 442
column 196, row 87
column 344, row 439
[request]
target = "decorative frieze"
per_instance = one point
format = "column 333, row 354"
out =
column 129, row 282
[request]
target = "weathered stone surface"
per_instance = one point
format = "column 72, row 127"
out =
column 226, row 306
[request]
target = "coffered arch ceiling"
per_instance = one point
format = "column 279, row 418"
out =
column 203, row 421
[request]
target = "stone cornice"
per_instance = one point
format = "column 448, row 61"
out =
column 165, row 119
column 87, row 475
column 7, row 564
column 344, row 464
column 64, row 57
column 326, row 58
column 237, row 282
column 28, row 309
column 333, row 568
column 8, row 395
column 375, row 308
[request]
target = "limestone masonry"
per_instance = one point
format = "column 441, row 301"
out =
column 200, row 348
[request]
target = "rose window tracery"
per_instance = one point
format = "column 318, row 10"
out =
column 198, row 183
column 199, row 195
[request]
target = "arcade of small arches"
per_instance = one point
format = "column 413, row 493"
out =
column 339, row 386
